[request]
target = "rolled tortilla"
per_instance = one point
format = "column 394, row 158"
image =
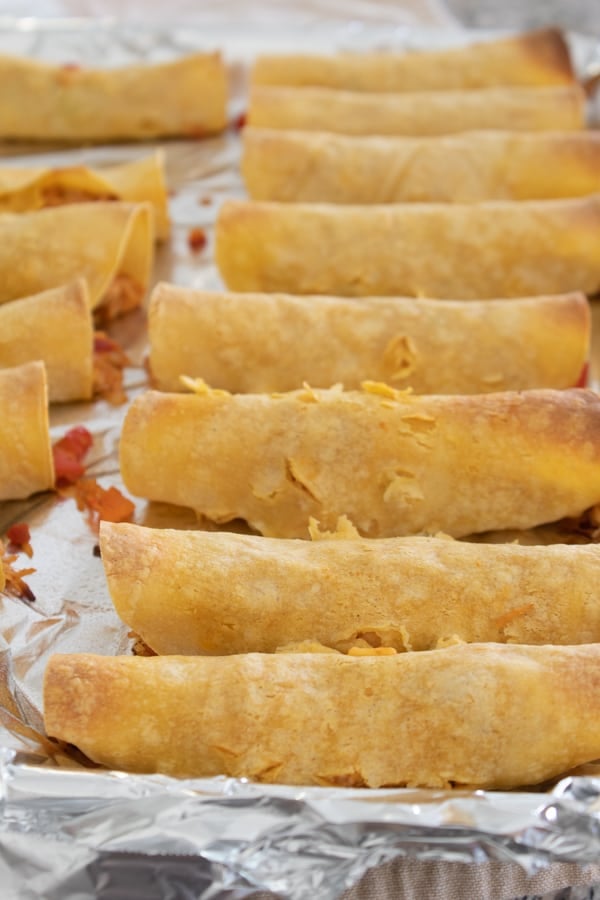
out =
column 463, row 251
column 109, row 244
column 436, row 719
column 28, row 189
column 56, row 328
column 394, row 463
column 249, row 343
column 536, row 58
column 464, row 168
column 421, row 113
column 43, row 101
column 197, row 592
column 26, row 464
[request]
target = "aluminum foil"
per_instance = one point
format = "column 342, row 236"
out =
column 225, row 838
column 68, row 830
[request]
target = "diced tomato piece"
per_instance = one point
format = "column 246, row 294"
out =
column 197, row 239
column 68, row 454
column 18, row 534
column 77, row 441
column 67, row 469
column 114, row 507
column 107, row 504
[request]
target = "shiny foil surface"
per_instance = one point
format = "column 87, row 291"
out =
column 68, row 830
column 227, row 838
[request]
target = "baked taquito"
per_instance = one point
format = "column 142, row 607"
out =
column 249, row 343
column 419, row 113
column 26, row 464
column 472, row 715
column 111, row 245
column 534, row 58
column 56, row 328
column 27, row 189
column 459, row 251
column 197, row 592
column 392, row 462
column 311, row 167
column 73, row 103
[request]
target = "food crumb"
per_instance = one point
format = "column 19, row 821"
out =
column 19, row 538
column 68, row 454
column 15, row 585
column 109, row 361
column 197, row 239
column 106, row 504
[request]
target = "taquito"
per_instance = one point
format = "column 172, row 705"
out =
column 295, row 166
column 534, row 58
column 419, row 113
column 26, row 464
column 72, row 103
column 109, row 244
column 437, row 719
column 249, row 343
column 460, row 251
column 31, row 188
column 56, row 328
column 195, row 592
column 392, row 462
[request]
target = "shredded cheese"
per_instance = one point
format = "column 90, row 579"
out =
column 344, row 530
column 201, row 388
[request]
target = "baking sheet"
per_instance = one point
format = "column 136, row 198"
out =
column 284, row 839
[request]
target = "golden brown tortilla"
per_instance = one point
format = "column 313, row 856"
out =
column 56, row 328
column 314, row 167
column 72, row 103
column 197, row 592
column 420, row 113
column 26, row 464
column 436, row 719
column 463, row 251
column 250, row 343
column 394, row 463
column 535, row 58
column 31, row 188
column 111, row 245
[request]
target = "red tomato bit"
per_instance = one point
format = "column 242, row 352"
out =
column 19, row 538
column 68, row 454
column 107, row 504
column 197, row 239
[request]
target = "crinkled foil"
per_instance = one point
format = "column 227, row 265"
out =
column 70, row 831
